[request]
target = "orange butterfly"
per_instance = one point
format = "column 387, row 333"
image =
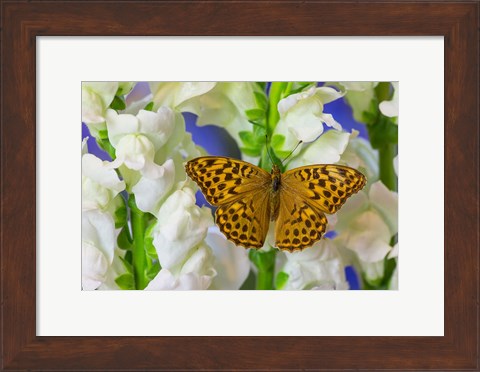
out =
column 248, row 198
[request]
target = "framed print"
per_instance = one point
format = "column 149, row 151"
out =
column 49, row 322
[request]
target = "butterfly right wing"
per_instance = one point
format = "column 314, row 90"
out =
column 224, row 180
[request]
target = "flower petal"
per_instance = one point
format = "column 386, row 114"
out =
column 325, row 150
column 150, row 192
column 173, row 94
column 165, row 280
column 386, row 203
column 94, row 267
column 181, row 226
column 231, row 262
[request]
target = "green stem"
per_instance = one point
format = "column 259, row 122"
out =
column 386, row 153
column 276, row 93
column 138, row 254
column 265, row 280
column 264, row 261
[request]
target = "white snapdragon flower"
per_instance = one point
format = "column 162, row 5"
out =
column 151, row 148
column 98, row 245
column 96, row 98
column 302, row 117
column 325, row 150
column 319, row 267
column 366, row 225
column 115, row 269
column 394, row 279
column 151, row 192
column 359, row 96
column 165, row 280
column 196, row 272
column 231, row 262
column 174, row 94
column 100, row 183
column 181, row 226
column 360, row 155
column 222, row 104
column 390, row 108
column 137, row 139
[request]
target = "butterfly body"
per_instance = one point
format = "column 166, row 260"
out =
column 248, row 198
column 275, row 192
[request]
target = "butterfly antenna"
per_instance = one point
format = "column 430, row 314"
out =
column 298, row 144
column 268, row 151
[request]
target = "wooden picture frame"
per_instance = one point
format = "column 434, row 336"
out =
column 23, row 21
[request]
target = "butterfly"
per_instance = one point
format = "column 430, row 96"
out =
column 248, row 198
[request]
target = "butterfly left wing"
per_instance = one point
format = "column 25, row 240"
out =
column 325, row 187
column 308, row 193
column 241, row 192
column 223, row 180
column 299, row 224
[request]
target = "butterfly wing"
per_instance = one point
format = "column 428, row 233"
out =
column 307, row 193
column 223, row 180
column 241, row 192
column 325, row 187
column 245, row 221
column 299, row 224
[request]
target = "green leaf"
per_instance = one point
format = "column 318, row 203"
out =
column 153, row 271
column 149, row 107
column 383, row 132
column 371, row 284
column 383, row 282
column 301, row 86
column 277, row 141
column 150, row 248
column 255, row 114
column 389, row 268
column 384, row 91
column 281, row 280
column 258, row 123
column 262, row 85
column 148, row 241
column 249, row 283
column 261, row 100
column 124, row 240
column 127, row 265
column 250, row 151
column 125, row 281
column 103, row 134
column 121, row 215
column 247, row 138
column 260, row 132
column 118, row 103
column 281, row 154
column 105, row 145
column 128, row 256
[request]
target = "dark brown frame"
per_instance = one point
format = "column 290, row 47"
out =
column 23, row 21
